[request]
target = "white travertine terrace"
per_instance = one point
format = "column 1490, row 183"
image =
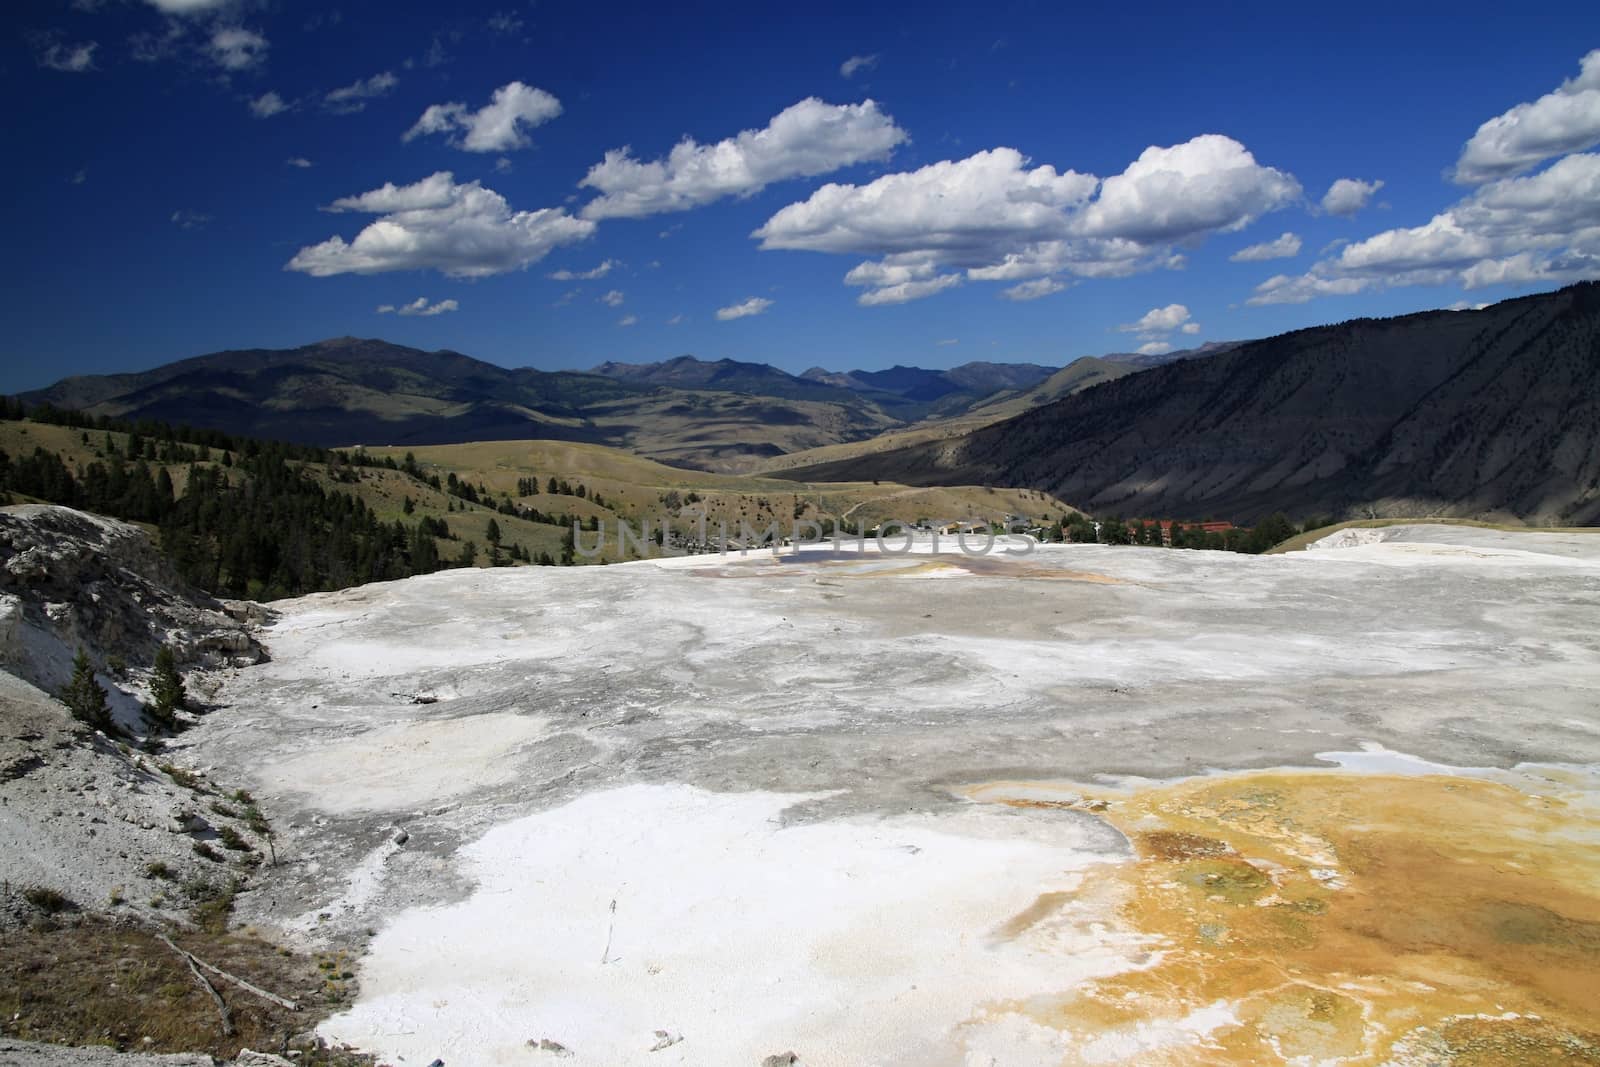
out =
column 760, row 762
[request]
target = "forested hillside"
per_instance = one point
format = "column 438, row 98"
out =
column 263, row 519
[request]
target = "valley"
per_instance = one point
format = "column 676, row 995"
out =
column 723, row 416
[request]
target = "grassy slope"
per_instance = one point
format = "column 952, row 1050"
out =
column 916, row 435
column 634, row 487
column 730, row 432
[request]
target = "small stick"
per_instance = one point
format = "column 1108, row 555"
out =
column 222, row 1007
column 605, row 955
column 235, row 979
column 246, row 986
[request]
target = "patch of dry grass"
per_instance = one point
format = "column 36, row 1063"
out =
column 94, row 982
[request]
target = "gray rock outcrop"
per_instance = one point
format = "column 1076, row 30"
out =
column 70, row 579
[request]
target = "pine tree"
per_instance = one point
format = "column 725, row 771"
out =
column 85, row 697
column 492, row 534
column 167, row 693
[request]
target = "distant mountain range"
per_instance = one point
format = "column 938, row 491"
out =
column 718, row 415
column 942, row 391
column 1489, row 413
column 1482, row 413
column 906, row 393
column 720, row 376
column 346, row 391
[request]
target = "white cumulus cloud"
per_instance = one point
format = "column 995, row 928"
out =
column 1348, row 196
column 498, row 126
column 806, row 139
column 348, row 99
column 1440, row 244
column 753, row 306
column 855, row 64
column 605, row 267
column 897, row 279
column 628, row 320
column 299, row 161
column 1541, row 228
column 1154, row 348
column 1158, row 320
column 234, row 48
column 1033, row 290
column 1291, row 289
column 613, row 299
column 1280, row 248
column 267, row 105
column 956, row 211
column 998, row 217
column 1208, row 184
column 461, row 230
column 1563, row 121
column 903, row 292
column 187, row 7
column 420, row 306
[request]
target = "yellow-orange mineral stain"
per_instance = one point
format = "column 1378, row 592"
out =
column 1340, row 918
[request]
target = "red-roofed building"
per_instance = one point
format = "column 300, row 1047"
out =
column 1166, row 526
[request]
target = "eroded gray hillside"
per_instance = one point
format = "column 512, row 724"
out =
column 1482, row 413
column 84, row 813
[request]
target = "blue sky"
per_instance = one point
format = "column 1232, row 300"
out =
column 1025, row 182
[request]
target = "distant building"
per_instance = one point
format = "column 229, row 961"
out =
column 1166, row 527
